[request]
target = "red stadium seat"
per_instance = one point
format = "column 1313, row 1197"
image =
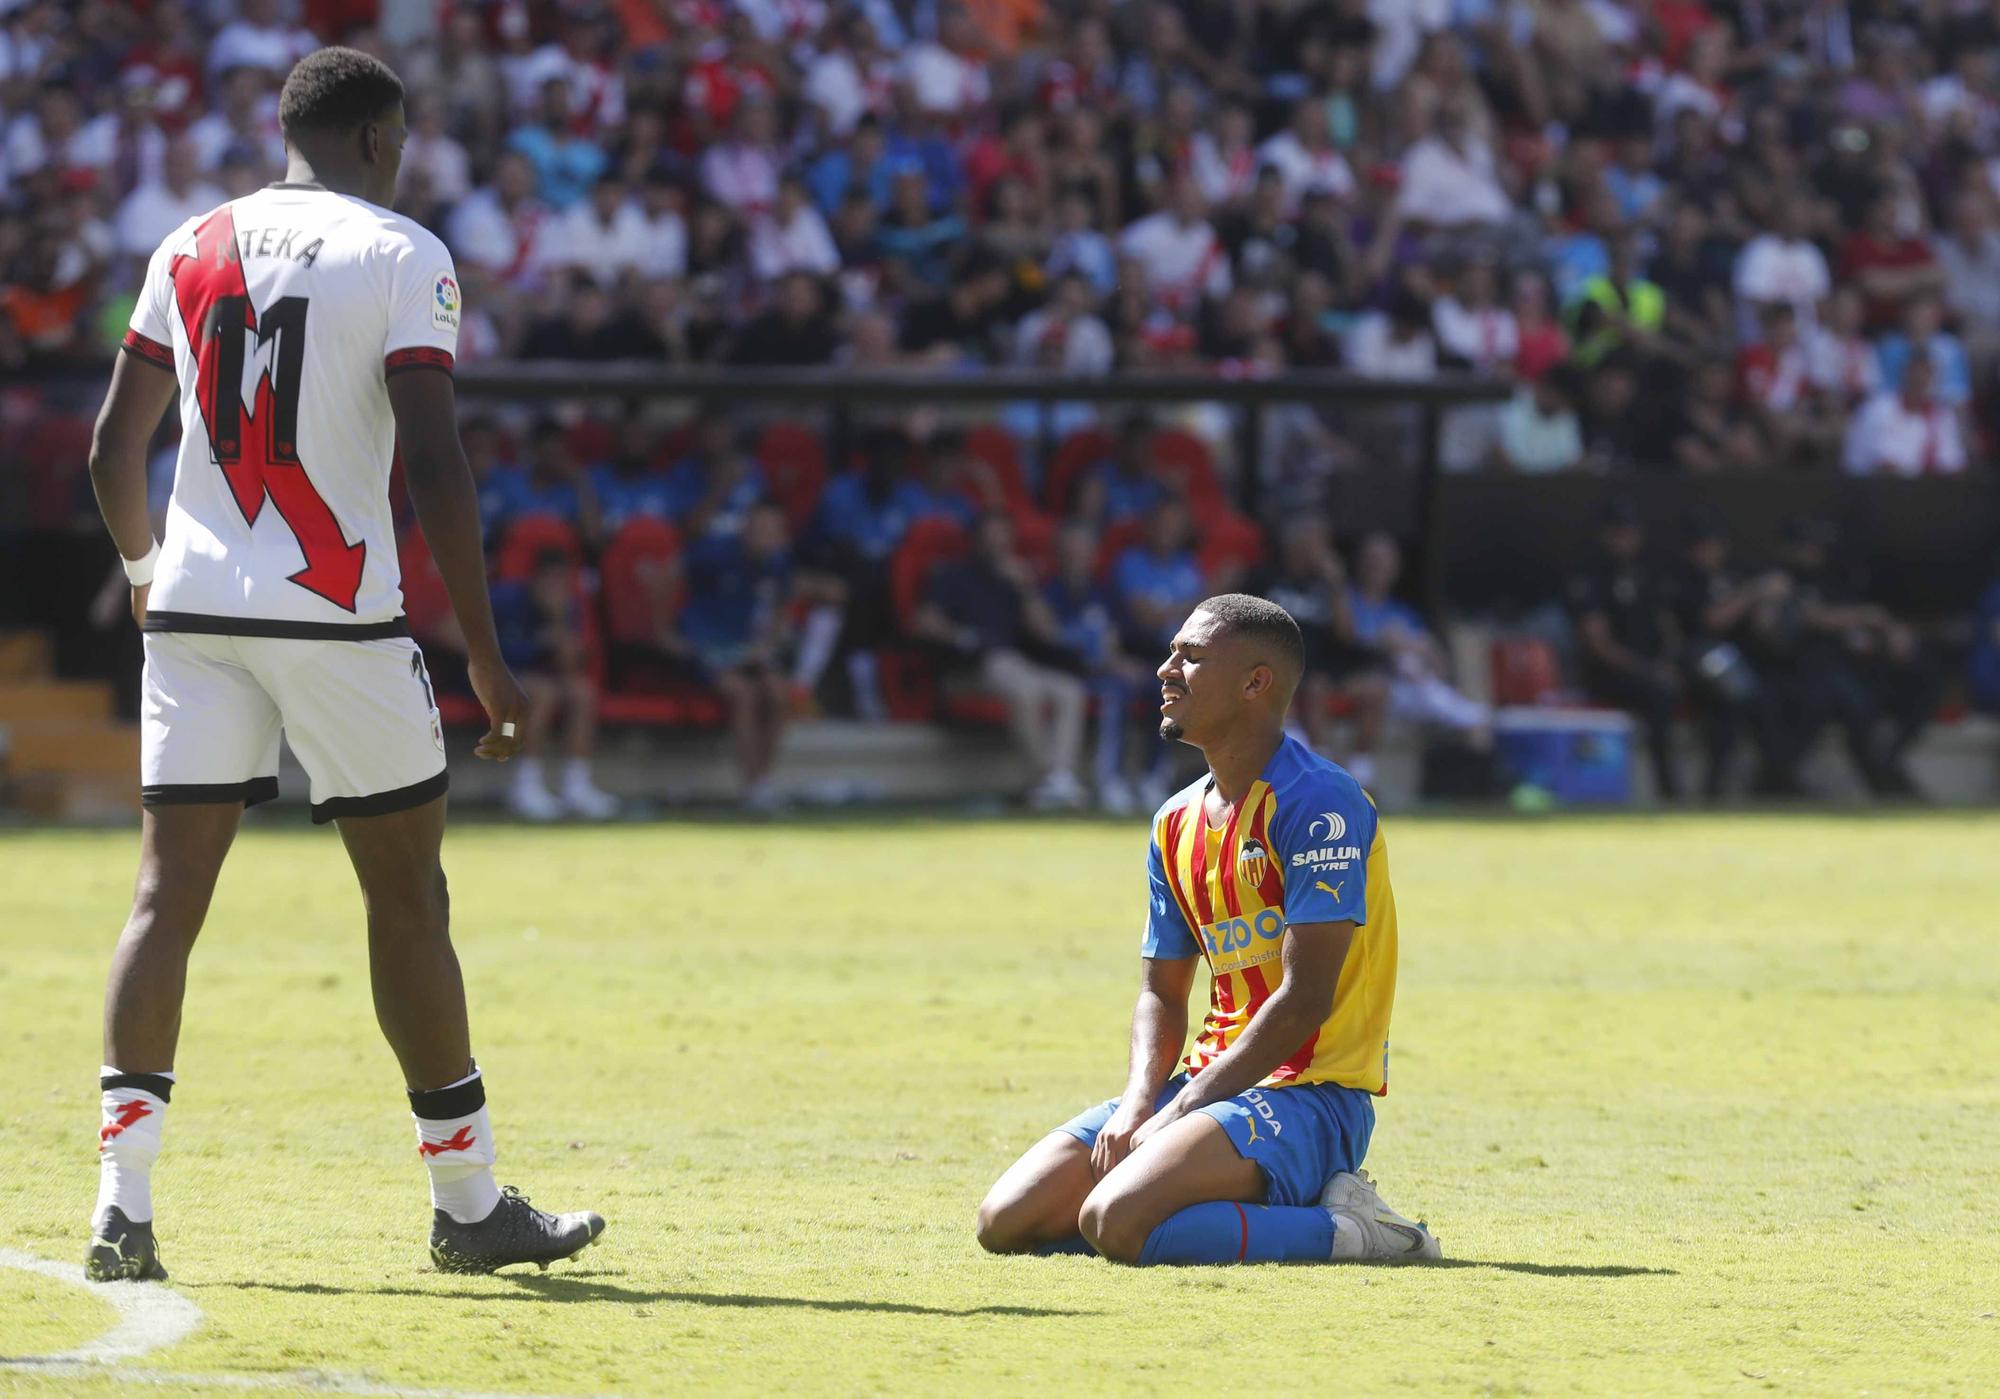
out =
column 994, row 447
column 1078, row 453
column 425, row 601
column 641, row 588
column 1035, row 537
column 1117, row 539
column 1229, row 543
column 928, row 544
column 531, row 535
column 56, row 449
column 593, row 441
column 793, row 460
column 1181, row 457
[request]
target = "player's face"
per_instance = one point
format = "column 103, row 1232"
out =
column 1201, row 681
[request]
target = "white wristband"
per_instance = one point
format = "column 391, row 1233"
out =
column 140, row 571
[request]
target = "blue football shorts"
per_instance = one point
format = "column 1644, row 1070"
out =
column 1300, row 1135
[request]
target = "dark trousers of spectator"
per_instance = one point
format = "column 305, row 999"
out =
column 1732, row 702
column 1821, row 688
column 1906, row 693
column 1650, row 701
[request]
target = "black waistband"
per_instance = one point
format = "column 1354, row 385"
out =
column 208, row 625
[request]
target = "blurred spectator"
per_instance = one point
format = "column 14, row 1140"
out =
column 500, row 227
column 540, row 622
column 1923, row 333
column 717, row 489
column 1177, row 247
column 1120, row 683
column 1617, row 309
column 1310, row 582
column 1839, row 357
column 156, row 208
column 1450, row 178
column 550, row 483
column 1124, row 487
column 259, row 38
column 1802, row 423
column 630, row 484
column 1908, row 431
column 1716, row 603
column 1968, row 254
column 1780, row 265
column 1983, row 670
column 735, row 628
column 605, row 235
column 1835, row 658
column 988, row 615
column 566, row 164
column 1420, row 690
column 1890, row 263
column 1629, row 638
column 796, row 331
column 1539, row 427
column 791, row 236
column 1156, row 583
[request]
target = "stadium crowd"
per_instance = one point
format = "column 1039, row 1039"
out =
column 1698, row 236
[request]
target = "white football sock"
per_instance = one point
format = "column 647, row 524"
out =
column 456, row 1144
column 128, row 1139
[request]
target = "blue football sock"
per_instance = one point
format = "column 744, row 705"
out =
column 1226, row 1232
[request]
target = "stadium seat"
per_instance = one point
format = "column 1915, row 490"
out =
column 928, row 544
column 1229, row 541
column 425, row 601
column 793, row 460
column 56, row 450
column 1078, row 453
column 593, row 441
column 1117, row 539
column 641, row 590
column 995, row 448
column 1178, row 455
column 531, row 535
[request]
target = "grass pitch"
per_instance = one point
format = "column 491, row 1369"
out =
column 1701, row 1105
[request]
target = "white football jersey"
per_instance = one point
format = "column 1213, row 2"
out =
column 283, row 313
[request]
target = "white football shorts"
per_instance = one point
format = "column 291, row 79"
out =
column 360, row 717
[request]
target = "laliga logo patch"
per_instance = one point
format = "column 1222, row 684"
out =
column 1330, row 826
column 444, row 303
column 1253, row 861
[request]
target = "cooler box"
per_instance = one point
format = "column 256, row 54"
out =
column 1580, row 755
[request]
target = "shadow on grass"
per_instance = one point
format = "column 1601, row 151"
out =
column 1551, row 1270
column 532, row 1288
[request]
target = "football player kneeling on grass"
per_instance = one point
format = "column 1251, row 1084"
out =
column 1273, row 868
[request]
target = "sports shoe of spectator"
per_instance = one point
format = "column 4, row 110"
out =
column 1115, row 797
column 1059, row 791
column 585, row 798
column 528, row 798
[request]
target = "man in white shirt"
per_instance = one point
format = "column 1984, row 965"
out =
column 502, row 226
column 258, row 38
column 245, row 120
column 1183, row 257
column 1306, row 157
column 154, row 209
column 792, row 237
column 1449, row 177
column 1908, row 433
column 948, row 75
column 1780, row 265
column 605, row 234
column 742, row 172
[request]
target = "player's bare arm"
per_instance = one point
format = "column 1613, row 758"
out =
column 139, row 397
column 1159, row 1032
column 1312, row 954
column 426, row 408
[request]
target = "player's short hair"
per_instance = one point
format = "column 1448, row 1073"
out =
column 335, row 90
column 1269, row 626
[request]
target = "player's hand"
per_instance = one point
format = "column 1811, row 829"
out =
column 1117, row 1139
column 139, row 596
column 506, row 705
column 1153, row 1126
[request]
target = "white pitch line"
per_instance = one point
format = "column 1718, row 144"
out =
column 149, row 1316
column 152, row 1316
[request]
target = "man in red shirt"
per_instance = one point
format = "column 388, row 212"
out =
column 1890, row 268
